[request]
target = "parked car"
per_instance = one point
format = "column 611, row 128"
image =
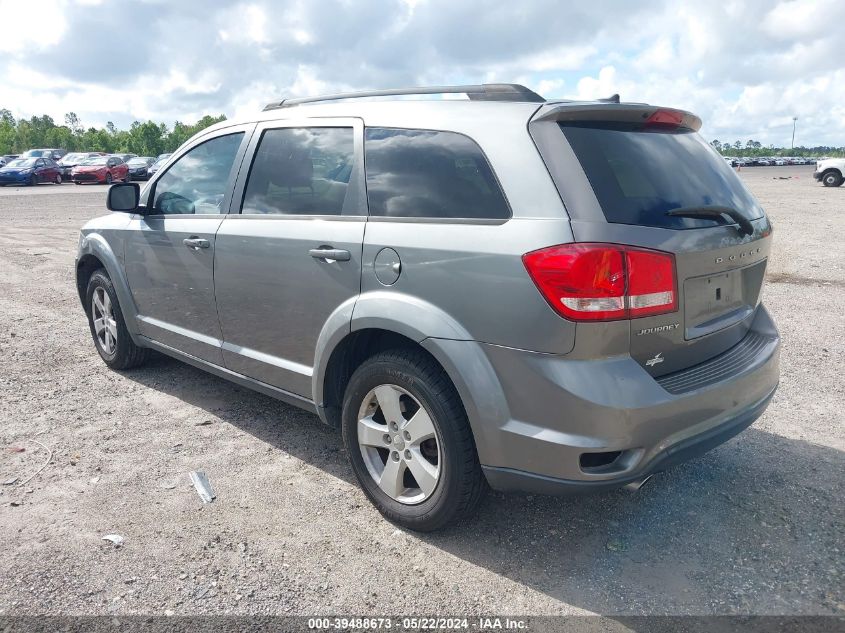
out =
column 780, row 162
column 125, row 157
column 830, row 172
column 472, row 305
column 100, row 169
column 163, row 156
column 139, row 167
column 69, row 161
column 764, row 162
column 157, row 165
column 30, row 171
column 53, row 153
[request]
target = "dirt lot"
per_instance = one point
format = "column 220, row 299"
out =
column 755, row 526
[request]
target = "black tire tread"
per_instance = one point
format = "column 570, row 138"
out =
column 838, row 180
column 472, row 483
column 128, row 354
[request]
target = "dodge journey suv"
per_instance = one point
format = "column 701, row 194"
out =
column 503, row 291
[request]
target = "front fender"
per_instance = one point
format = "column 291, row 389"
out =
column 95, row 245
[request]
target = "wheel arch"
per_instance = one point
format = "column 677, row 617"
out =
column 834, row 170
column 371, row 321
column 387, row 320
column 96, row 253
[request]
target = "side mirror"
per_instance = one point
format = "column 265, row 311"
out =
column 124, row 197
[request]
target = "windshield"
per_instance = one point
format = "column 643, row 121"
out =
column 22, row 162
column 70, row 158
column 139, row 162
column 96, row 160
column 639, row 175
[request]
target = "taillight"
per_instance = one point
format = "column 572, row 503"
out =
column 665, row 118
column 604, row 282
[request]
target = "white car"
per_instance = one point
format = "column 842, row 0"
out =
column 780, row 161
column 830, row 171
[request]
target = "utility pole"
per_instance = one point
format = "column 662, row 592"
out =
column 794, row 119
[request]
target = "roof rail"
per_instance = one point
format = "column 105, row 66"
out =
column 482, row 92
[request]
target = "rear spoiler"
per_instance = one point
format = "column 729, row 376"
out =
column 621, row 112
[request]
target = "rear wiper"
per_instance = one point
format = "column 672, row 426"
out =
column 713, row 212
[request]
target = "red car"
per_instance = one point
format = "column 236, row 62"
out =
column 101, row 169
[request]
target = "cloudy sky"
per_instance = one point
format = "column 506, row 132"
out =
column 745, row 67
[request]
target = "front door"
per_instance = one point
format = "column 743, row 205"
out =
column 292, row 256
column 170, row 249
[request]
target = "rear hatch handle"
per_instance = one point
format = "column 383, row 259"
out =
column 715, row 212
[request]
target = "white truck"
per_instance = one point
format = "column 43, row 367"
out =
column 830, row 171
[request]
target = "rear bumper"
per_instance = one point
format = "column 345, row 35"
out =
column 535, row 415
column 508, row 479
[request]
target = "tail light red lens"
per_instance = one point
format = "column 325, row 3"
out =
column 665, row 118
column 604, row 282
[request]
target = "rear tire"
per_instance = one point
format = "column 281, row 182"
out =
column 421, row 387
column 832, row 179
column 108, row 328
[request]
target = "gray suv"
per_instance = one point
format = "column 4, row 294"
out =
column 546, row 296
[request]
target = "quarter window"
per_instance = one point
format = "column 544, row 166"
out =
column 196, row 183
column 301, row 171
column 429, row 174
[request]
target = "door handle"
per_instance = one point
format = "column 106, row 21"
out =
column 330, row 254
column 196, row 243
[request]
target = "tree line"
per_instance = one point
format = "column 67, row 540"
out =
column 753, row 148
column 146, row 138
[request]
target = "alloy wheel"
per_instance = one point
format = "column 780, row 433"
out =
column 105, row 325
column 399, row 444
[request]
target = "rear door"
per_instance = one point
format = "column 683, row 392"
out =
column 40, row 169
column 289, row 254
column 643, row 176
column 170, row 250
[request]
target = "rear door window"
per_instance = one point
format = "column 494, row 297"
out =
column 301, row 171
column 638, row 175
column 429, row 174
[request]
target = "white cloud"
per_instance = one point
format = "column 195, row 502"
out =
column 746, row 67
column 25, row 26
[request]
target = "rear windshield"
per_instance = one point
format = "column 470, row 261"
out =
column 639, row 175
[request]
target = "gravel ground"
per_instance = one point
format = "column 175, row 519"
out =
column 754, row 527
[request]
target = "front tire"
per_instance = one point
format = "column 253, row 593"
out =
column 33, row 180
column 409, row 443
column 58, row 180
column 108, row 328
column 831, row 179
column 108, row 178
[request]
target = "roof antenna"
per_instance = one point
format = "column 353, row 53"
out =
column 610, row 99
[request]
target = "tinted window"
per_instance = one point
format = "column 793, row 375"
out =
column 428, row 174
column 639, row 175
column 196, row 183
column 302, row 171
